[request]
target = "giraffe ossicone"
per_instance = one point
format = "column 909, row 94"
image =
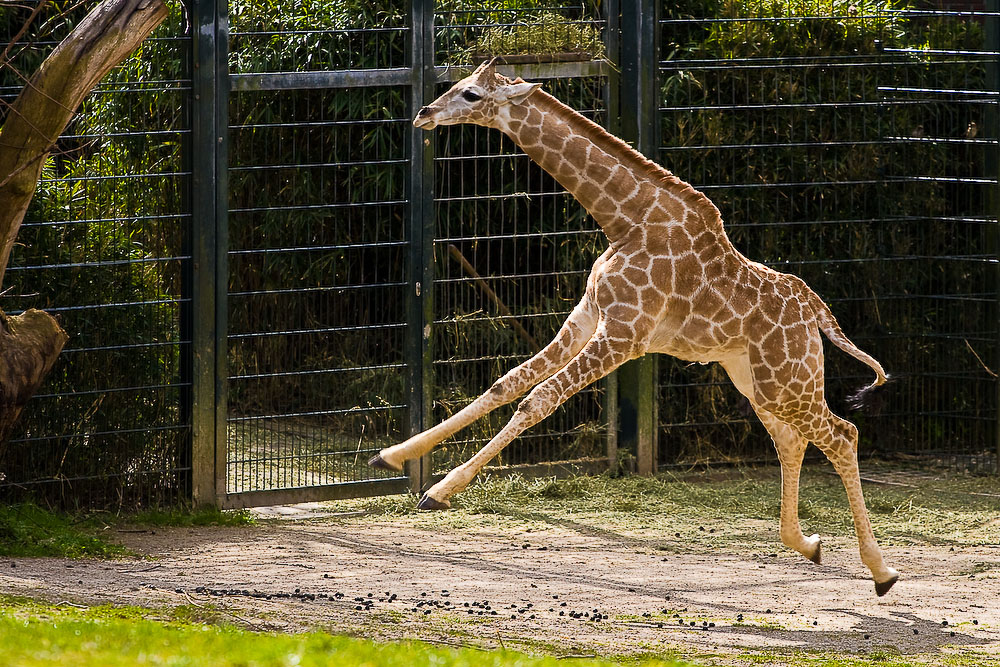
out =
column 670, row 281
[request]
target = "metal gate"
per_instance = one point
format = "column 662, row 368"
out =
column 268, row 275
column 369, row 284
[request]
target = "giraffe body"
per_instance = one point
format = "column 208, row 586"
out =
column 670, row 281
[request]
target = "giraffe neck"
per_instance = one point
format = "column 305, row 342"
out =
column 617, row 185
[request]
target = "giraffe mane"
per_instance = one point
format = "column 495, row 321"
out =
column 633, row 159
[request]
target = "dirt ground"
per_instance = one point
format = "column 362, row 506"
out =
column 562, row 589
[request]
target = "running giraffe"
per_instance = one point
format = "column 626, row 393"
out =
column 670, row 281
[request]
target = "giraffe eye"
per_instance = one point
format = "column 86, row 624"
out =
column 471, row 96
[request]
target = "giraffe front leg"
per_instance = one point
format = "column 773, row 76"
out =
column 575, row 332
column 438, row 496
column 598, row 358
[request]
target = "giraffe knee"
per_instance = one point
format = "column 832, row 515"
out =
column 537, row 405
column 848, row 432
column 839, row 443
column 532, row 408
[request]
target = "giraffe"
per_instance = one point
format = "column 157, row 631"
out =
column 670, row 281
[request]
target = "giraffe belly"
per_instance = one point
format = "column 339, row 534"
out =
column 695, row 339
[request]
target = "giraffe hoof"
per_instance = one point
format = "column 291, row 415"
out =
column 816, row 556
column 883, row 587
column 428, row 503
column 379, row 463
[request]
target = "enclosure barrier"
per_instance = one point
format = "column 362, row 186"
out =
column 268, row 274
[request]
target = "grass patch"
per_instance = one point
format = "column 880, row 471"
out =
column 29, row 530
column 737, row 508
column 184, row 516
column 33, row 633
column 544, row 34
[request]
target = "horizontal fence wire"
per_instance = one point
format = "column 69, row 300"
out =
column 103, row 247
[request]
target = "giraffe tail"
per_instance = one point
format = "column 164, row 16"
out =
column 829, row 326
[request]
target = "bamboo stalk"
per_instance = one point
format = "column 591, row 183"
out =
column 492, row 296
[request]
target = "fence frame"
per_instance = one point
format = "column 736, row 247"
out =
column 205, row 324
column 631, row 98
column 180, row 434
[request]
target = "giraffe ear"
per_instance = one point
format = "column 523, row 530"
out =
column 487, row 67
column 516, row 93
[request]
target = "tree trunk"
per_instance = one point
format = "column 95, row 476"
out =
column 31, row 342
column 29, row 345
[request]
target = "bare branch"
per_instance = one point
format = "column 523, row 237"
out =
column 20, row 33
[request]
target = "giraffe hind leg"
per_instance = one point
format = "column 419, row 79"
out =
column 809, row 414
column 840, row 446
column 790, row 447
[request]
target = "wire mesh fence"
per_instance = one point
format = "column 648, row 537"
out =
column 513, row 251
column 103, row 247
column 376, row 280
column 318, row 248
column 317, row 285
column 841, row 144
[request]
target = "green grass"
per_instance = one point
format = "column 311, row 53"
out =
column 33, row 633
column 183, row 516
column 541, row 34
column 28, row 530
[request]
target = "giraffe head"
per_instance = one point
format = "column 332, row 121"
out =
column 474, row 99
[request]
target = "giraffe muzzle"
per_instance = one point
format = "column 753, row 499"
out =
column 423, row 119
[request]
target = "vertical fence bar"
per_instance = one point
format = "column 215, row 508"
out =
column 206, row 284
column 638, row 112
column 992, row 165
column 612, row 122
column 420, row 305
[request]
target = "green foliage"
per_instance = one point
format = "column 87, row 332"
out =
column 99, row 248
column 29, row 530
column 470, row 29
column 802, row 28
column 546, row 34
column 316, row 34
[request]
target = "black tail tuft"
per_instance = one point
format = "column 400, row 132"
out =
column 866, row 399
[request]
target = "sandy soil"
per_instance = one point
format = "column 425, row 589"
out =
column 539, row 590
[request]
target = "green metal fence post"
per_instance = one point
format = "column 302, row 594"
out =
column 612, row 92
column 420, row 309
column 637, row 404
column 993, row 171
column 207, row 272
